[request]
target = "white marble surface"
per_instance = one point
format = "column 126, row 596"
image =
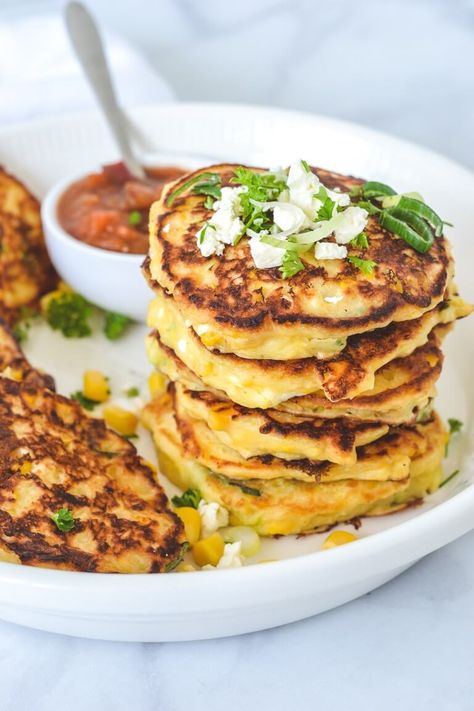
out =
column 404, row 66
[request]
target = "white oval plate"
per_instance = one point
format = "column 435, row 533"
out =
column 303, row 580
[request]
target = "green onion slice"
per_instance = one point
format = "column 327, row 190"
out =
column 284, row 243
column 407, row 225
column 372, row 189
column 212, row 178
column 422, row 210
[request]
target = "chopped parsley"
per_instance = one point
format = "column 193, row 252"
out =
column 326, row 209
column 191, row 497
column 244, row 488
column 360, row 241
column 451, row 476
column 366, row 266
column 69, row 313
column 115, row 325
column 454, row 425
column 261, row 188
column 203, row 184
column 84, row 401
column 21, row 328
column 64, row 520
column 305, row 166
column 291, row 264
column 134, row 217
column 209, row 203
column 132, row 392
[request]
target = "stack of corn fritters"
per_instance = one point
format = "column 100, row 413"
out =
column 292, row 407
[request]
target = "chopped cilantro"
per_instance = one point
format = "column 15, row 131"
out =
column 326, row 209
column 69, row 313
column 191, row 497
column 244, row 488
column 291, row 264
column 360, row 241
column 305, row 166
column 365, row 265
column 454, row 425
column 261, row 188
column 25, row 316
column 135, row 217
column 132, row 392
column 451, row 476
column 64, row 520
column 203, row 184
column 84, row 401
column 209, row 203
column 115, row 325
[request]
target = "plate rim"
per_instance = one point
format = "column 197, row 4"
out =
column 457, row 510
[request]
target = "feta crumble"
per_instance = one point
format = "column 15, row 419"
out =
column 329, row 250
column 213, row 516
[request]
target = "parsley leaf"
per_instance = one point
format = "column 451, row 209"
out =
column 115, row 325
column 244, row 488
column 191, row 497
column 209, row 203
column 261, row 187
column 454, row 425
column 84, row 401
column 69, row 313
column 365, row 265
column 64, row 520
column 291, row 264
column 135, row 217
column 326, row 209
column 132, row 392
column 203, row 184
column 360, row 241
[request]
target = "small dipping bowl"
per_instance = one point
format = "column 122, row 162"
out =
column 111, row 280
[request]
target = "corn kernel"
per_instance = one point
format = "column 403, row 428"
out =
column 208, row 551
column 25, row 468
column 192, row 523
column 95, row 386
column 220, row 420
column 210, row 339
column 185, row 568
column 123, row 421
column 156, row 383
column 338, row 538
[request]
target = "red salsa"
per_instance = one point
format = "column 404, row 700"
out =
column 110, row 209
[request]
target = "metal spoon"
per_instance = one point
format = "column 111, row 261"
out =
column 87, row 44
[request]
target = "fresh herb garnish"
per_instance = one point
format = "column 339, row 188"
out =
column 169, row 567
column 407, row 225
column 366, row 266
column 246, row 489
column 305, row 166
column 69, row 313
column 455, row 425
column 209, row 203
column 261, row 188
column 202, row 184
column 360, row 241
column 326, row 209
column 134, row 217
column 191, row 497
column 291, row 264
column 451, row 476
column 132, row 392
column 115, row 325
column 64, row 520
column 84, row 401
column 21, row 328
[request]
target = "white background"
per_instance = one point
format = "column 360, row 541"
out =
column 399, row 65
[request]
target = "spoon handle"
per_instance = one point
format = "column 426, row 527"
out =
column 89, row 50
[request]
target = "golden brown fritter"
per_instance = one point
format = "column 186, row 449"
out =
column 254, row 313
column 53, row 456
column 26, row 271
column 14, row 365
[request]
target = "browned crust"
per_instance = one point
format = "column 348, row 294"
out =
column 404, row 277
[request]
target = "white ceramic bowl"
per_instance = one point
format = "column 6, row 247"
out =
column 112, row 280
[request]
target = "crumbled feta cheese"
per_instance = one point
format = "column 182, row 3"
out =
column 232, row 556
column 213, row 516
column 303, row 185
column 225, row 224
column 329, row 250
column 353, row 221
column 288, row 217
column 264, row 255
column 207, row 241
column 333, row 299
column 341, row 199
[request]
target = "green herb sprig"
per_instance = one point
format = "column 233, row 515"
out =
column 115, row 325
column 191, row 497
column 64, row 520
column 206, row 183
column 84, row 401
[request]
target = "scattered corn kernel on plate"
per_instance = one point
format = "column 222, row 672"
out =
column 283, row 579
